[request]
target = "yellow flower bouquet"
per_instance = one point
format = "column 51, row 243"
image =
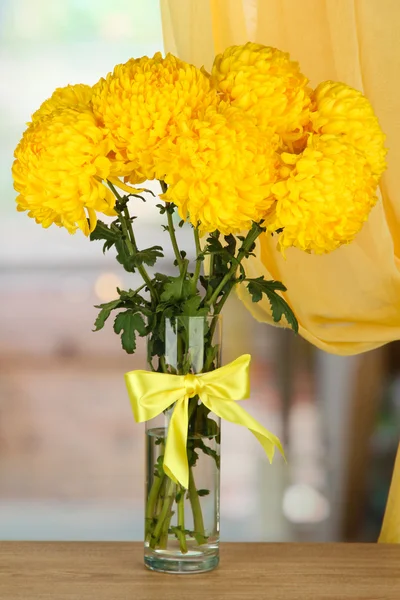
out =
column 245, row 150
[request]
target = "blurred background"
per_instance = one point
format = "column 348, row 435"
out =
column 71, row 456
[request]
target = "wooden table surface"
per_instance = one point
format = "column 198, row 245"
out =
column 115, row 571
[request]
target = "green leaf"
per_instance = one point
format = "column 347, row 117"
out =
column 156, row 347
column 148, row 256
column 161, row 277
column 130, row 295
column 198, row 443
column 107, row 246
column 162, row 208
column 279, row 307
column 105, row 312
column 211, row 354
column 192, row 456
column 104, row 232
column 123, row 257
column 242, row 273
column 162, row 306
column 230, row 244
column 223, row 258
column 166, row 208
column 211, row 428
column 213, row 245
column 129, row 322
column 159, row 281
column 159, row 466
column 259, row 286
column 191, row 307
column 183, row 255
column 177, row 288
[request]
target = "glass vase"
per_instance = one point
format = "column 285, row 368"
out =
column 182, row 525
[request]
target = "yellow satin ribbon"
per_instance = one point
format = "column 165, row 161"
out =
column 151, row 393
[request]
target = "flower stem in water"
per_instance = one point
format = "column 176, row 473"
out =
column 196, row 510
column 151, row 502
column 181, row 520
column 164, row 514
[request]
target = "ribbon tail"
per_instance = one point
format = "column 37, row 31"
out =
column 175, row 459
column 233, row 412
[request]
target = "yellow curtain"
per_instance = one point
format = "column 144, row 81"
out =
column 348, row 301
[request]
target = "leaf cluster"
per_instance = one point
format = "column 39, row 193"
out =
column 222, row 255
column 142, row 312
column 114, row 236
column 128, row 323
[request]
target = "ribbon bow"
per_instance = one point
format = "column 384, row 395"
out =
column 151, row 393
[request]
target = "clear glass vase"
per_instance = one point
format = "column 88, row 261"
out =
column 182, row 525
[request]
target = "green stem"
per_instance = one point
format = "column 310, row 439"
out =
column 163, row 541
column 219, row 305
column 140, row 268
column 164, row 531
column 193, row 402
column 217, row 309
column 171, row 230
column 135, row 293
column 164, row 514
column 174, row 242
column 130, row 241
column 151, row 503
column 196, row 509
column 180, row 353
column 161, row 496
column 248, row 242
column 198, row 262
column 115, row 192
column 181, row 520
column 211, row 268
column 163, row 364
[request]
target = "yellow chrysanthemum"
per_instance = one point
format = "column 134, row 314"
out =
column 220, row 171
column 58, row 170
column 78, row 95
column 342, row 110
column 266, row 83
column 326, row 197
column 143, row 102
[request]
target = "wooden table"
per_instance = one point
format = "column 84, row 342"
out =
column 114, row 571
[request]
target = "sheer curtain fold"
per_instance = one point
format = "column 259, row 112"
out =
column 349, row 301
column 188, row 30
